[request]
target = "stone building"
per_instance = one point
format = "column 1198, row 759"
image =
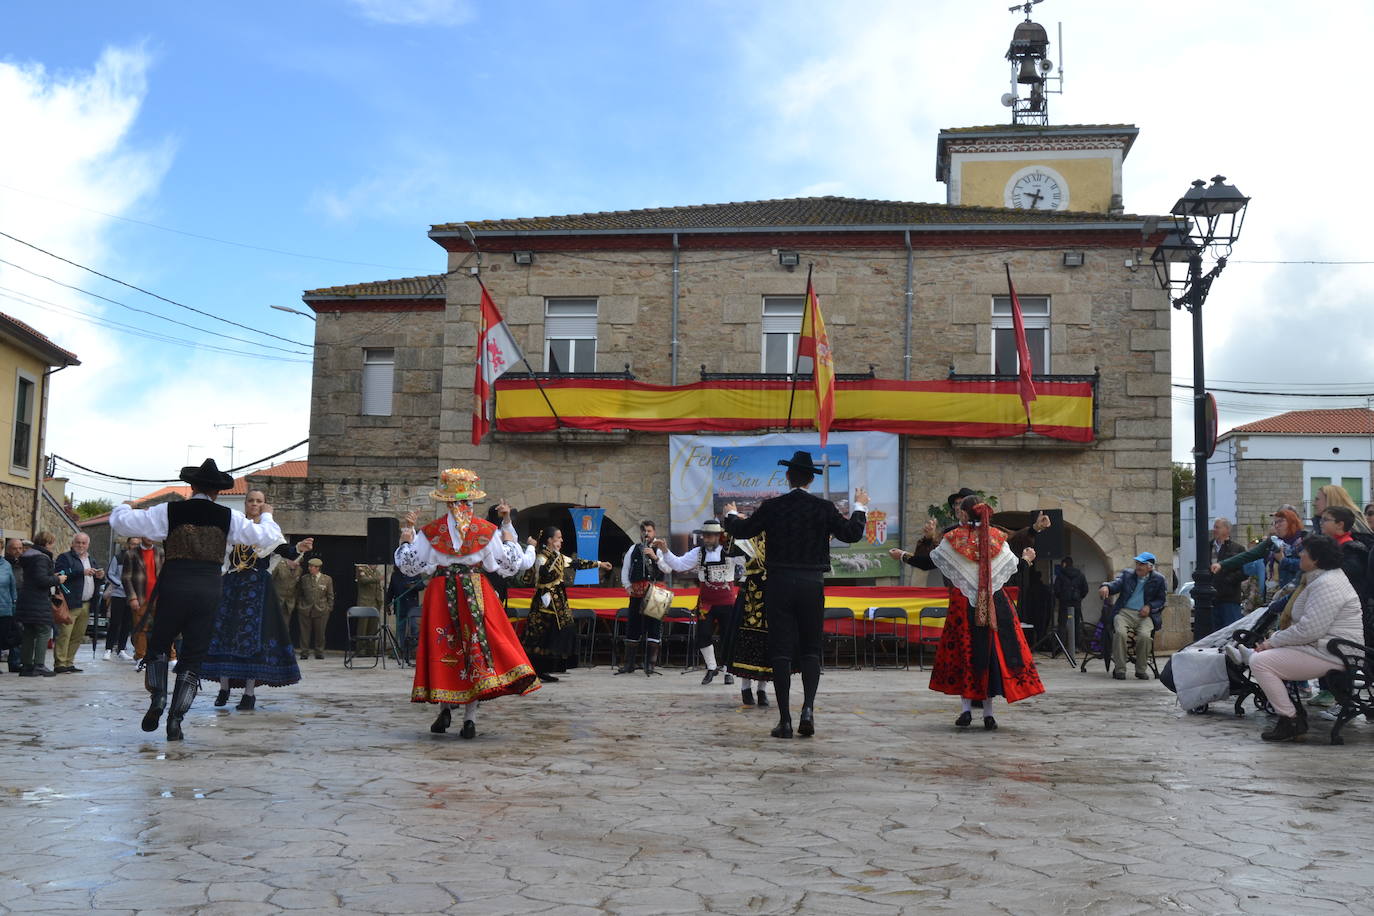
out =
column 27, row 360
column 1280, row 460
column 910, row 289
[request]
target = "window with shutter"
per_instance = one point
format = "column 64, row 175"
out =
column 781, row 325
column 25, row 386
column 379, row 373
column 570, row 335
column 1035, row 315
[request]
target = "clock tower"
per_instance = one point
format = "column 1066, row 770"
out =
column 1030, row 164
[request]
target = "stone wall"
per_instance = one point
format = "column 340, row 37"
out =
column 16, row 510
column 1116, row 491
column 1261, row 487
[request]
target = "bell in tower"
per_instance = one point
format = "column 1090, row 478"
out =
column 1030, row 67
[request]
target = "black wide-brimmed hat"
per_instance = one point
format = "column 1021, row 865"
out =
column 964, row 493
column 802, row 461
column 208, row 476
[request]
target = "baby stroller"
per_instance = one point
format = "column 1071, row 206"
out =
column 1202, row 673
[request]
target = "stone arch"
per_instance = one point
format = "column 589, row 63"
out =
column 614, row 539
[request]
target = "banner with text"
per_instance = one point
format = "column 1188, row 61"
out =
column 709, row 471
column 587, row 524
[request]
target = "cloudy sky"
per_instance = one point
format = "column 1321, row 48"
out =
column 228, row 156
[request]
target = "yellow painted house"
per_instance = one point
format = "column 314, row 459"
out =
column 27, row 360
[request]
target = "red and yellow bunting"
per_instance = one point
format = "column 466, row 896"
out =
column 972, row 409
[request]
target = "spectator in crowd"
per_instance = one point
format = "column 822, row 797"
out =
column 1070, row 588
column 81, row 591
column 1338, row 523
column 314, row 603
column 286, row 573
column 1283, row 545
column 1326, row 607
column 1333, row 495
column 1369, row 515
column 11, row 631
column 403, row 594
column 33, row 606
column 116, row 611
column 1139, row 608
column 1226, row 605
column 140, row 565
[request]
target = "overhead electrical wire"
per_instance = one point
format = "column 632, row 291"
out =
column 197, row 235
column 251, row 464
column 146, row 292
column 1285, row 394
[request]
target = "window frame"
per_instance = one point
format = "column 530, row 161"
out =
column 21, row 376
column 363, row 387
column 789, row 337
column 558, row 334
column 1033, row 320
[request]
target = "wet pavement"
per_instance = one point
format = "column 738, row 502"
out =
column 606, row 794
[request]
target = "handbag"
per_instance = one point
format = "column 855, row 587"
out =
column 61, row 614
column 656, row 602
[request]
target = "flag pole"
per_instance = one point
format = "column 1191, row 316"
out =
column 1025, row 376
column 557, row 420
column 796, row 359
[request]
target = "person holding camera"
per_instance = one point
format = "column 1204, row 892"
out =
column 81, row 596
column 34, row 607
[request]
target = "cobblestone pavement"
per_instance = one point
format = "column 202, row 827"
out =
column 607, row 794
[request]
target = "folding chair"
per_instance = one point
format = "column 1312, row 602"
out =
column 833, row 635
column 585, row 621
column 686, row 637
column 922, row 640
column 620, row 625
column 897, row 639
column 359, row 644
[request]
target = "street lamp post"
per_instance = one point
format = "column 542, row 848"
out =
column 284, row 308
column 1208, row 223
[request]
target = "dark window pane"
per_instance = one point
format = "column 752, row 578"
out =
column 584, row 356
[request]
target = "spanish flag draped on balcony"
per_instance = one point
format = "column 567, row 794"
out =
column 815, row 343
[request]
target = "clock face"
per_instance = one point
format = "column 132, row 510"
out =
column 1037, row 189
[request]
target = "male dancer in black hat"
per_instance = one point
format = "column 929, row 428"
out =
column 195, row 534
column 798, row 527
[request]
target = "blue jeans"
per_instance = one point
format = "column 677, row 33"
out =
column 1225, row 613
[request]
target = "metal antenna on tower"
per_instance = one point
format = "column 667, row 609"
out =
column 1031, row 67
column 233, row 427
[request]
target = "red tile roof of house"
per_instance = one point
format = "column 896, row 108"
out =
column 38, row 341
column 298, row 468
column 1339, row 421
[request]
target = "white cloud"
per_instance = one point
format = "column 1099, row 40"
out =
column 131, row 407
column 417, row 12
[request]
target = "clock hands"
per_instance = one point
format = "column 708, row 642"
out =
column 1035, row 197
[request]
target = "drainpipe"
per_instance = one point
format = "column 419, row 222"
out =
column 40, row 461
column 677, row 287
column 906, row 376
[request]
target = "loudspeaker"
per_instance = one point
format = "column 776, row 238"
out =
column 383, row 534
column 1053, row 541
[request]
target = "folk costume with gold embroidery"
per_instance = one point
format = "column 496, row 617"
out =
column 550, row 636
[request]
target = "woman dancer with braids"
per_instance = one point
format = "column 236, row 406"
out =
column 982, row 652
column 750, row 659
column 467, row 651
column 550, row 636
column 251, row 643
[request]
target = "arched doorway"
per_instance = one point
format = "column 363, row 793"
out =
column 1087, row 556
column 614, row 540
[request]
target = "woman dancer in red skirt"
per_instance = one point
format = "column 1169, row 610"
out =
column 467, row 650
column 982, row 652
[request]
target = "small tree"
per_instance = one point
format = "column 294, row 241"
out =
column 944, row 517
column 90, row 508
column 1183, row 488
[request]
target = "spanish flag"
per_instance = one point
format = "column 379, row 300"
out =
column 815, row 343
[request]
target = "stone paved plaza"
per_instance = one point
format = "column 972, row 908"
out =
column 607, row 794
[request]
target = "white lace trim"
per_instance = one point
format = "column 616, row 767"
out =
column 963, row 572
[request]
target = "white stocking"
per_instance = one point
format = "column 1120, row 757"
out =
column 745, row 684
column 470, row 712
column 708, row 655
column 987, row 708
column 968, row 704
column 224, row 684
column 248, row 687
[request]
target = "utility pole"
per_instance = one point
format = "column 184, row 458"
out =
column 233, row 428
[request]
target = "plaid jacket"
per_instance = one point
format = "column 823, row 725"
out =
column 135, row 576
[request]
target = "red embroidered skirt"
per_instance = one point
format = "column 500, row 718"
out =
column 969, row 658
column 451, row 664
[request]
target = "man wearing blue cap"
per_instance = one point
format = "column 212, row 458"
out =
column 1143, row 593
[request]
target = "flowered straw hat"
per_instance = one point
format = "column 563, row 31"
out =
column 458, row 484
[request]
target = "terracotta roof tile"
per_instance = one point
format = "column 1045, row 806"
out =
column 799, row 212
column 1340, row 421
column 38, row 339
column 297, row 469
column 431, row 286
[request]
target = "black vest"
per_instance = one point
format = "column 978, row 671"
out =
column 641, row 568
column 197, row 529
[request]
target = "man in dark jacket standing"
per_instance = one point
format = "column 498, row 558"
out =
column 82, row 591
column 1226, row 605
column 1070, row 588
column 797, row 527
column 1140, row 610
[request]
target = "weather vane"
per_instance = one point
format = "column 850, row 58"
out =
column 1024, row 7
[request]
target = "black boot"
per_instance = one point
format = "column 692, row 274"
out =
column 222, row 697
column 155, row 679
column 650, row 658
column 1285, row 729
column 629, row 652
column 183, row 695
column 442, row 721
column 762, row 697
column 747, row 696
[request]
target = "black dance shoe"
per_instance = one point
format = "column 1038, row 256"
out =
column 247, row 701
column 989, row 724
column 442, row 721
column 783, row 729
column 710, row 676
column 469, row 729
column 746, row 696
column 763, row 697
column 965, row 719
column 729, row 678
column 548, row 679
column 222, row 697
column 806, row 726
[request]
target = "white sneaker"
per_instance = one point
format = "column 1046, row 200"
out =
column 108, row 654
column 127, row 656
column 1239, row 655
column 1331, row 714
